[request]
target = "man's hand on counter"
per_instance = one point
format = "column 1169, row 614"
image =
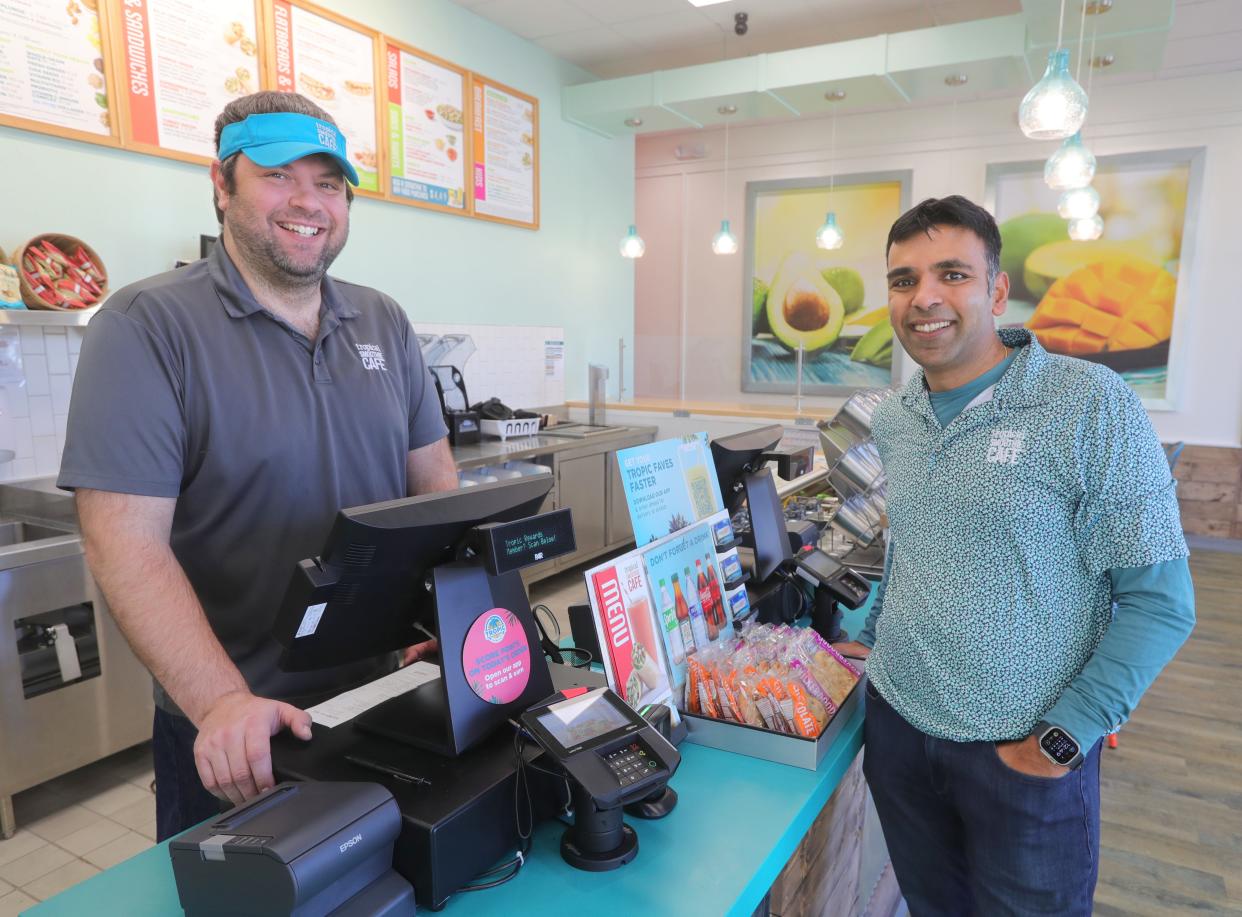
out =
column 852, row 648
column 233, row 749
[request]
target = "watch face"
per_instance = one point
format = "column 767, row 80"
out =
column 1060, row 746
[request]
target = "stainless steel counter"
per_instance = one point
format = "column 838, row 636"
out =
column 492, row 451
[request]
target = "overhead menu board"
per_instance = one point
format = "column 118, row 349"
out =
column 332, row 61
column 54, row 68
column 505, row 129
column 427, row 116
column 182, row 61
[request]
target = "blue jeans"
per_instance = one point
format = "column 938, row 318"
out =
column 970, row 835
column 180, row 800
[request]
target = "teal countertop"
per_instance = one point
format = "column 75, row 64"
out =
column 737, row 822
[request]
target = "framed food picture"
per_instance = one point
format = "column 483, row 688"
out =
column 181, row 62
column 1122, row 299
column 821, row 311
column 334, row 62
column 428, row 106
column 56, row 71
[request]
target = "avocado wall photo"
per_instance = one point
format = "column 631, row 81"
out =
column 831, row 303
column 1119, row 299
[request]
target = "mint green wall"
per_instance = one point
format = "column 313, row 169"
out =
column 143, row 212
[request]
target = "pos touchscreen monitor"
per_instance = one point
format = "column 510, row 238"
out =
column 740, row 460
column 369, row 592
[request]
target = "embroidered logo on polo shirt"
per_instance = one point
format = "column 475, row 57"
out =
column 372, row 356
column 1005, row 447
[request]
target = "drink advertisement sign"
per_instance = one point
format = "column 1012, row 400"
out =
column 669, row 485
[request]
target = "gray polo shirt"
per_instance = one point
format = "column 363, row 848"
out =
column 188, row 388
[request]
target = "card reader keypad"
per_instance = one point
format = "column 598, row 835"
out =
column 631, row 763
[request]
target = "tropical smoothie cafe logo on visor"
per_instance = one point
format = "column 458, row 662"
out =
column 327, row 135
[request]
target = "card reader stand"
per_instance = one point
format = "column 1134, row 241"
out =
column 598, row 840
column 446, row 715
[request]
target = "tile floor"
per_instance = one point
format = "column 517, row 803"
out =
column 87, row 820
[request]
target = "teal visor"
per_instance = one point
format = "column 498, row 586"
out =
column 278, row 139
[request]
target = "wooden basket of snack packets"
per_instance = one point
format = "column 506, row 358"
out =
column 61, row 273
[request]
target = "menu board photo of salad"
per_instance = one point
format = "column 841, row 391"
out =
column 54, row 68
column 427, row 142
column 332, row 61
column 505, row 128
column 182, row 61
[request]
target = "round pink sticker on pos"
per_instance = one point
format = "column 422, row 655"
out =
column 496, row 657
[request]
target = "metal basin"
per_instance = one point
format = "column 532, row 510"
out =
column 13, row 532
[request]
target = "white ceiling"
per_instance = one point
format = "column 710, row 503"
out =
column 614, row 38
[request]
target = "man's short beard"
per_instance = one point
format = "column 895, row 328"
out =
column 267, row 259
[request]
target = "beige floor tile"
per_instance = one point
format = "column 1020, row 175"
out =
column 92, row 837
column 37, row 863
column 115, row 799
column 58, row 880
column 83, row 783
column 37, row 803
column 15, row 902
column 5, row 888
column 66, row 821
column 20, row 844
column 147, row 830
column 144, row 779
column 124, row 847
column 136, row 813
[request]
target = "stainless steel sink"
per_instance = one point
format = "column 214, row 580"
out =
column 575, row 430
column 14, row 532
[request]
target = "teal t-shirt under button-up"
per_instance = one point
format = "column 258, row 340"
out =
column 1004, row 525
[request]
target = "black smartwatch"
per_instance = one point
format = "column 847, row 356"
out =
column 1058, row 746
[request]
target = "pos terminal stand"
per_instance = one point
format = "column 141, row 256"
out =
column 612, row 757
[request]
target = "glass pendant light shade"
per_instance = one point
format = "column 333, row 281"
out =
column 1079, row 204
column 829, row 235
column 724, row 242
column 1072, row 166
column 633, row 246
column 1056, row 106
column 1086, row 230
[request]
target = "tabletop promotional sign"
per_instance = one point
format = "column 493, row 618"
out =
column 669, row 485
column 496, row 657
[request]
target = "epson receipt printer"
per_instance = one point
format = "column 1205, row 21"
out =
column 304, row 849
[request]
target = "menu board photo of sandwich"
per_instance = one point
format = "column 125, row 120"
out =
column 54, row 68
column 332, row 62
column 182, row 62
column 426, row 128
column 505, row 128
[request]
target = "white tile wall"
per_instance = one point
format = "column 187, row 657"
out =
column 38, row 407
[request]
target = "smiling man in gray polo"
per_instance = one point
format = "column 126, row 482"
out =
column 222, row 414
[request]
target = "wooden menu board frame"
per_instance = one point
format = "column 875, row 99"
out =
column 113, row 137
column 467, row 165
column 479, row 84
column 121, row 61
column 282, row 82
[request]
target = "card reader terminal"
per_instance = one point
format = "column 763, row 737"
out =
column 612, row 756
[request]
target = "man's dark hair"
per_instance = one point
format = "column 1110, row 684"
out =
column 954, row 210
column 263, row 103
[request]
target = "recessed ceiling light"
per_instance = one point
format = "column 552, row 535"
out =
column 727, row 110
column 633, row 122
column 1098, row 7
column 956, row 79
column 835, row 95
column 1100, row 61
column 707, row 2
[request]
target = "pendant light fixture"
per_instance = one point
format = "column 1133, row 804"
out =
column 1086, row 230
column 633, row 246
column 1079, row 204
column 1056, row 106
column 724, row 242
column 829, row 235
column 1071, row 166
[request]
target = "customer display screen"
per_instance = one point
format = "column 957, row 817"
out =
column 581, row 719
column 514, row 545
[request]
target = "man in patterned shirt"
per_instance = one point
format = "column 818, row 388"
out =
column 1035, row 585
